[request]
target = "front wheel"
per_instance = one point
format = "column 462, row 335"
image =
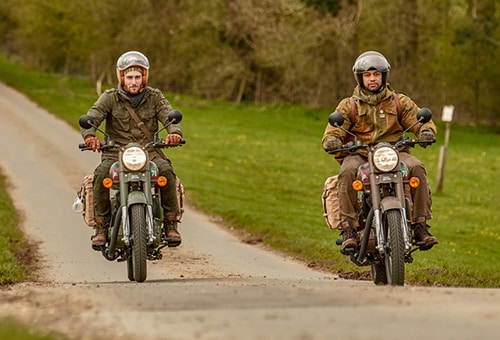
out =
column 394, row 255
column 139, row 242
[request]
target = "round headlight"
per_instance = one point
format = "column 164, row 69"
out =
column 134, row 158
column 385, row 159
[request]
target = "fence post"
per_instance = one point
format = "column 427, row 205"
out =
column 447, row 118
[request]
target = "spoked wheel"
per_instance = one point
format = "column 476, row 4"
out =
column 394, row 255
column 139, row 242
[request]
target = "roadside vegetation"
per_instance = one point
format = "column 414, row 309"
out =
column 261, row 169
column 14, row 264
column 14, row 331
column 286, row 51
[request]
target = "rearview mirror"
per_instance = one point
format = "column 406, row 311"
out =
column 424, row 115
column 336, row 119
column 86, row 122
column 175, row 117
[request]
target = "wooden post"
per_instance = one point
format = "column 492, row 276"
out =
column 447, row 117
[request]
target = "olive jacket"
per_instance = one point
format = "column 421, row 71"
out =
column 376, row 118
column 120, row 126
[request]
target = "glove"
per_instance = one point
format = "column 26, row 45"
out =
column 92, row 142
column 427, row 137
column 172, row 138
column 332, row 143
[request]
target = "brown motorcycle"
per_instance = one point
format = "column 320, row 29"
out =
column 386, row 240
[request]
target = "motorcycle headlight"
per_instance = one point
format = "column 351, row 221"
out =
column 134, row 158
column 385, row 159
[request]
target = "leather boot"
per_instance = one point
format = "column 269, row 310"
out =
column 423, row 238
column 349, row 239
column 99, row 239
column 171, row 232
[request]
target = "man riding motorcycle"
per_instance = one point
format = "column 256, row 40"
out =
column 379, row 115
column 114, row 106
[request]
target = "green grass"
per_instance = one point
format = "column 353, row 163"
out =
column 14, row 331
column 14, row 263
column 261, row 168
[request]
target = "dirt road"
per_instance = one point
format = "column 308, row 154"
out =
column 212, row 287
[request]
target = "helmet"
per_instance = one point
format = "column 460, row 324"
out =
column 132, row 59
column 370, row 60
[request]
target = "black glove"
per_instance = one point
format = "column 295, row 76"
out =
column 427, row 138
column 332, row 143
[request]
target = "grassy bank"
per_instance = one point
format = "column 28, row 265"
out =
column 14, row 259
column 261, row 169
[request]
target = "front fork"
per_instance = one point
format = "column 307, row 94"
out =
column 379, row 231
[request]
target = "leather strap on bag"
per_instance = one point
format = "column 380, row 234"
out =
column 138, row 121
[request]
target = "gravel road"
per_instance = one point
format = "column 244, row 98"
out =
column 214, row 286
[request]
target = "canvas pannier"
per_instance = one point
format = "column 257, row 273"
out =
column 331, row 209
column 180, row 197
column 86, row 195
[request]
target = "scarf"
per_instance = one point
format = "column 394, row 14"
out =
column 370, row 97
column 134, row 99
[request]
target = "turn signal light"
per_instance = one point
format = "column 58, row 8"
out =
column 161, row 181
column 357, row 185
column 107, row 183
column 414, row 182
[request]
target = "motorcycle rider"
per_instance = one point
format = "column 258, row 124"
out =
column 132, row 71
column 377, row 120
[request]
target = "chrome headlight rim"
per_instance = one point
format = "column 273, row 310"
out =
column 134, row 158
column 385, row 158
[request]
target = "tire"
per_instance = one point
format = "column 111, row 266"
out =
column 394, row 254
column 379, row 274
column 139, row 242
column 130, row 269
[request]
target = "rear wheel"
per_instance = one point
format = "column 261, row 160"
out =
column 394, row 254
column 379, row 274
column 139, row 242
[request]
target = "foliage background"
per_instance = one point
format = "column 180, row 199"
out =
column 279, row 51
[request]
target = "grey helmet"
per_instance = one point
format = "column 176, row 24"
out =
column 132, row 59
column 370, row 60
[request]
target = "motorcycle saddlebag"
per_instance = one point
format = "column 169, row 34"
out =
column 179, row 188
column 331, row 208
column 86, row 195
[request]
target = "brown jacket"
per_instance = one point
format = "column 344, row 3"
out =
column 377, row 118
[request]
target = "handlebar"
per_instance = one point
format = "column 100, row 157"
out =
column 352, row 147
column 151, row 145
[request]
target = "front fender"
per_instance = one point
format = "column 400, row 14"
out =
column 136, row 197
column 390, row 203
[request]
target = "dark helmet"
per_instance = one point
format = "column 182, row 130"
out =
column 370, row 60
column 132, row 59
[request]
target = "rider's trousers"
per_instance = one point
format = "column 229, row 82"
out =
column 421, row 196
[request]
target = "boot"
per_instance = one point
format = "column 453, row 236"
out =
column 171, row 232
column 99, row 239
column 348, row 237
column 423, row 238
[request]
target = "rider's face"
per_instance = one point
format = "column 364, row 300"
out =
column 133, row 82
column 372, row 80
